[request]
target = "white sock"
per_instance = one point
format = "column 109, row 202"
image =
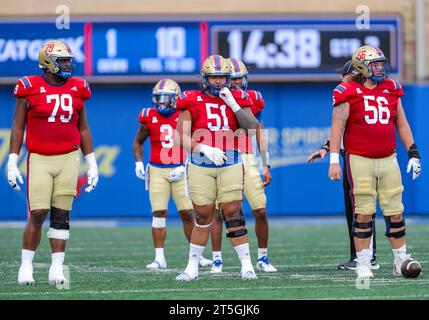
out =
column 159, row 255
column 262, row 252
column 244, row 255
column 401, row 252
column 195, row 253
column 27, row 256
column 58, row 258
column 364, row 255
column 217, row 255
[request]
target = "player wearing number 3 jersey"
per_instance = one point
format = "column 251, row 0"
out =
column 164, row 175
column 52, row 108
column 368, row 110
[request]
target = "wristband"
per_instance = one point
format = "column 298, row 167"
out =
column 413, row 152
column 234, row 107
column 334, row 158
column 90, row 159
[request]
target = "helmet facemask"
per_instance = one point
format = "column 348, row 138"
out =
column 214, row 87
column 164, row 102
column 379, row 70
column 242, row 85
column 64, row 69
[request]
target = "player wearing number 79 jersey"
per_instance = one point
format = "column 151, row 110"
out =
column 52, row 108
column 164, row 175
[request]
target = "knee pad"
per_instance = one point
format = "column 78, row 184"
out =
column 58, row 234
column 235, row 223
column 159, row 222
column 363, row 225
column 394, row 225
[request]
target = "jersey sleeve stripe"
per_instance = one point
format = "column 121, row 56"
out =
column 258, row 96
column 397, row 85
column 28, row 81
column 85, row 83
column 340, row 88
column 25, row 82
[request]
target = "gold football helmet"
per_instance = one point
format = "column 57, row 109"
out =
column 371, row 63
column 51, row 54
column 164, row 96
column 238, row 70
column 215, row 65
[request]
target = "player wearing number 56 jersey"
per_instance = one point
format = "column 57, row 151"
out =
column 52, row 108
column 164, row 175
column 368, row 110
column 207, row 127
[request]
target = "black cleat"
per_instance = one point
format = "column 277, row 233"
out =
column 349, row 265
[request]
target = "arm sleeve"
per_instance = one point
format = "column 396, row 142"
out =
column 183, row 101
column 22, row 88
column 340, row 94
column 84, row 90
column 143, row 115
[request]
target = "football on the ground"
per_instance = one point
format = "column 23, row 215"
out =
column 411, row 268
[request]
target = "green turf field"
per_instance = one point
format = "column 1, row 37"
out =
column 109, row 263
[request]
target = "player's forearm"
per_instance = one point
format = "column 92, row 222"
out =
column 16, row 138
column 406, row 136
column 340, row 115
column 247, row 121
column 138, row 151
column 86, row 142
column 262, row 142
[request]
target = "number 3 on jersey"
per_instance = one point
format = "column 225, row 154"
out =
column 167, row 134
column 65, row 101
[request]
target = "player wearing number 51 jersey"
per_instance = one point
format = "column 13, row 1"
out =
column 207, row 128
column 52, row 108
column 368, row 110
column 164, row 175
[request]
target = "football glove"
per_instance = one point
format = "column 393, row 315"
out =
column 226, row 96
column 177, row 174
column 140, row 170
column 215, row 155
column 92, row 173
column 416, row 165
column 13, row 172
column 414, row 161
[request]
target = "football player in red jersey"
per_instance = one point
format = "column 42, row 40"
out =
column 368, row 110
column 207, row 126
column 253, row 184
column 164, row 174
column 52, row 108
column 347, row 75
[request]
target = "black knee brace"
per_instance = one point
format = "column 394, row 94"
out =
column 363, row 225
column 395, row 225
column 235, row 223
column 59, row 221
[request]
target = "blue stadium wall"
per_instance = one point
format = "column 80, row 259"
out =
column 297, row 115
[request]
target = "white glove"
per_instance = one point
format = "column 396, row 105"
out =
column 177, row 174
column 215, row 155
column 13, row 172
column 140, row 170
column 226, row 96
column 92, row 173
column 416, row 165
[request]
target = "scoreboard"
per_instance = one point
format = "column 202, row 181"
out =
column 286, row 48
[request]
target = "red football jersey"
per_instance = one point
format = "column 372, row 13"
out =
column 370, row 128
column 213, row 122
column 245, row 144
column 53, row 113
column 163, row 150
